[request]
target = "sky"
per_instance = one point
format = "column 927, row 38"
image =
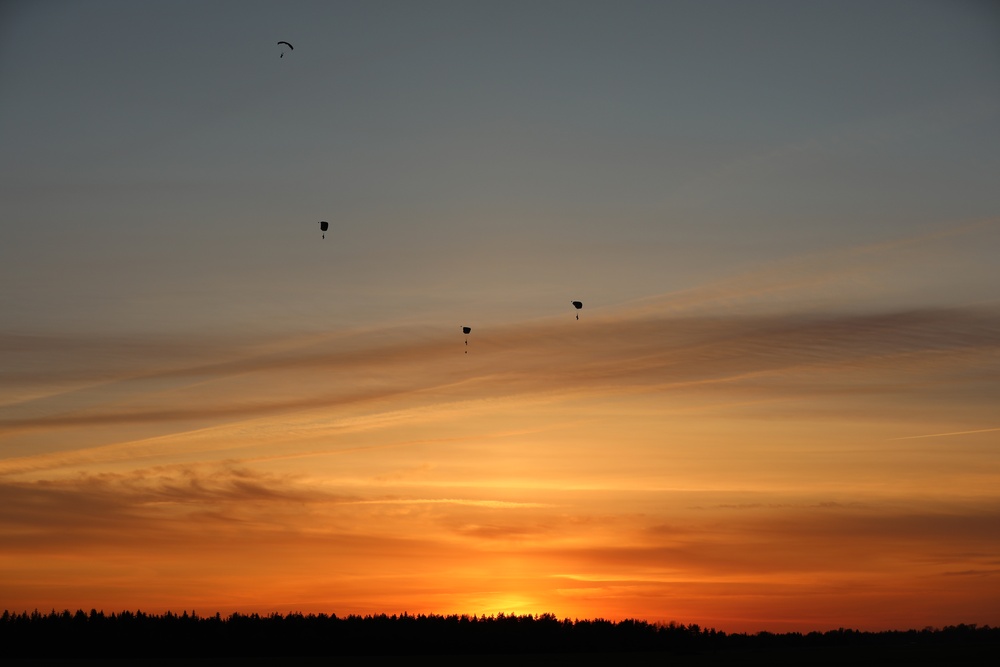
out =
column 778, row 409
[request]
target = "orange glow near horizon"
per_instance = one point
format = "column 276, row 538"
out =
column 745, row 472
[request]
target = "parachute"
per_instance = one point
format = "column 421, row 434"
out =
column 290, row 47
column 466, row 331
column 323, row 226
column 578, row 305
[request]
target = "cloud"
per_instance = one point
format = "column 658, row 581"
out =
column 897, row 361
column 493, row 504
column 792, row 328
column 203, row 502
column 950, row 264
column 790, row 543
column 943, row 435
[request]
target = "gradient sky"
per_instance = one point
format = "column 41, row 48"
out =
column 779, row 409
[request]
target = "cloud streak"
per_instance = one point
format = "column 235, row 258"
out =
column 546, row 357
column 192, row 524
column 868, row 365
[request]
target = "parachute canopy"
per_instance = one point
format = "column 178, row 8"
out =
column 577, row 304
column 290, row 47
column 466, row 330
column 324, row 225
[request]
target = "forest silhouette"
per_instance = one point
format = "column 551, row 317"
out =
column 139, row 635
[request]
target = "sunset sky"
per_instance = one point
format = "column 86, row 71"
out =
column 779, row 408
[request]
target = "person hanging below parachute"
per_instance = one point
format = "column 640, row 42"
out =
column 578, row 305
column 323, row 226
column 466, row 331
column 290, row 48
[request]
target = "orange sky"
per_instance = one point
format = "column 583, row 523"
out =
column 779, row 450
column 778, row 409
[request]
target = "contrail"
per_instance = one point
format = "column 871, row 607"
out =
column 938, row 435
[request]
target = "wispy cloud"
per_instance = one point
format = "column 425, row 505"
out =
column 943, row 435
column 784, row 356
column 798, row 318
column 496, row 504
column 866, row 278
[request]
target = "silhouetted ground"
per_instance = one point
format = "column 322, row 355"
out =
column 825, row 657
column 64, row 639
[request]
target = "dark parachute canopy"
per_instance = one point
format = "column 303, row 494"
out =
column 290, row 47
column 578, row 305
column 323, row 226
column 466, row 331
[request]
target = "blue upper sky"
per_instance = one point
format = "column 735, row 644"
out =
column 163, row 169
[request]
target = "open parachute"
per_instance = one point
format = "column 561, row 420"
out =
column 578, row 305
column 283, row 50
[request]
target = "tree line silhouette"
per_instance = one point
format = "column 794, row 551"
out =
column 140, row 635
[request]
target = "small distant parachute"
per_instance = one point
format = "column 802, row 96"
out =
column 290, row 48
column 578, row 305
column 466, row 331
column 323, row 226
